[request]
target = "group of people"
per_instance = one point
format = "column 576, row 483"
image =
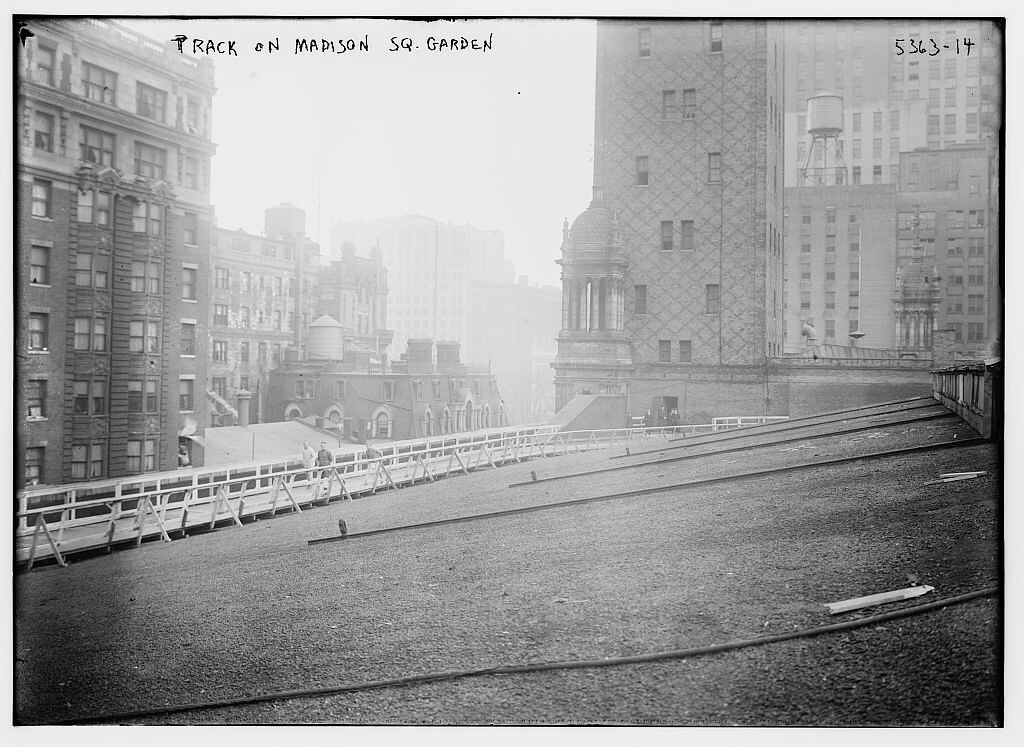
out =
column 324, row 458
column 672, row 418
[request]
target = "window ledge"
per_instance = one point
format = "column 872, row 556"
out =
column 39, row 285
column 36, row 418
column 190, row 300
column 39, row 352
column 42, row 217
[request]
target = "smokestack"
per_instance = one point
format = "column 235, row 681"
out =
column 243, row 407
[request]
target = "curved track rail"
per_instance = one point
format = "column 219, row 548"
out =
column 658, row 489
column 730, row 450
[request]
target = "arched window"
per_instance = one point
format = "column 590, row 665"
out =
column 292, row 412
column 468, row 423
column 446, row 421
column 428, row 422
column 383, row 429
column 487, row 416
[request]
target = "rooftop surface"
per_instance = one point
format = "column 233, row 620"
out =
column 256, row 610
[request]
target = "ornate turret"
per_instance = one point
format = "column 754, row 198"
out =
column 916, row 301
column 592, row 339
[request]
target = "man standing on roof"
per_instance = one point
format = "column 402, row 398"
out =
column 308, row 459
column 324, row 457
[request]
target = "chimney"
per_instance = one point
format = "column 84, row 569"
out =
column 243, row 407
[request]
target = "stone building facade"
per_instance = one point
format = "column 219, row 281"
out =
column 675, row 269
column 114, row 226
column 354, row 291
column 410, row 398
column 263, row 296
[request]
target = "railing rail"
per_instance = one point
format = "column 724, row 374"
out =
column 52, row 521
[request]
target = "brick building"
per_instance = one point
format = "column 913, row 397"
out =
column 409, row 398
column 263, row 296
column 840, row 266
column 114, row 223
column 675, row 270
column 943, row 204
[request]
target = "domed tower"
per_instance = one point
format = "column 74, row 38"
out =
column 594, row 355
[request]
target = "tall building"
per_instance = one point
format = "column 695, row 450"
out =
column 114, row 228
column 674, row 272
column 893, row 102
column 926, row 123
column 354, row 292
column 840, row 266
column 944, row 211
column 514, row 328
column 263, row 296
column 431, row 268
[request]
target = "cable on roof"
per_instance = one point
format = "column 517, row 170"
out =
column 539, row 666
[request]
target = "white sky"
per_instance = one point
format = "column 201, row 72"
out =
column 499, row 139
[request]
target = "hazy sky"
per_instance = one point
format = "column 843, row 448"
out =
column 498, row 139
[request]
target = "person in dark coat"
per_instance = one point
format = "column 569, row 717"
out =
column 324, row 457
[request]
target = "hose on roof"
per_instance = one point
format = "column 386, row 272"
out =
column 539, row 666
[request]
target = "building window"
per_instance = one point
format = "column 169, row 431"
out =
column 715, row 28
column 876, row 148
column 805, row 248
column 830, row 328
column 644, row 41
column 666, row 236
column 830, row 243
column 188, row 283
column 975, row 219
column 220, row 314
column 39, row 265
column 829, row 275
column 150, row 162
column 245, row 282
column 192, row 229
column 975, row 331
column 220, row 386
column 876, row 174
column 141, row 455
column 668, row 104
column 639, row 299
column 220, row 351
column 90, row 334
column 186, row 397
column 45, row 62
column 150, row 102
column 99, row 84
column 855, row 271
column 713, row 299
column 383, row 429
column 35, row 398
column 976, row 276
column 38, row 331
column 243, row 353
column 856, row 148
column 102, row 208
column 42, row 198
column 221, row 278
column 856, row 122
column 689, row 103
column 35, row 457
column 686, row 235
column 188, row 338
column 43, row 124
column 97, row 146
column 387, row 391
column 685, row 351
column 191, row 172
column 246, row 319
column 145, row 277
column 975, row 304
column 437, row 389
column 276, row 320
column 642, row 169
column 714, row 167
column 86, row 200
column 144, row 336
column 830, row 300
column 856, row 174
column 86, row 461
column 664, row 351
column 243, row 382
column 89, row 272
column 339, row 390
column 142, row 396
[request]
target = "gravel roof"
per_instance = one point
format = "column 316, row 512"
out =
column 255, row 610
